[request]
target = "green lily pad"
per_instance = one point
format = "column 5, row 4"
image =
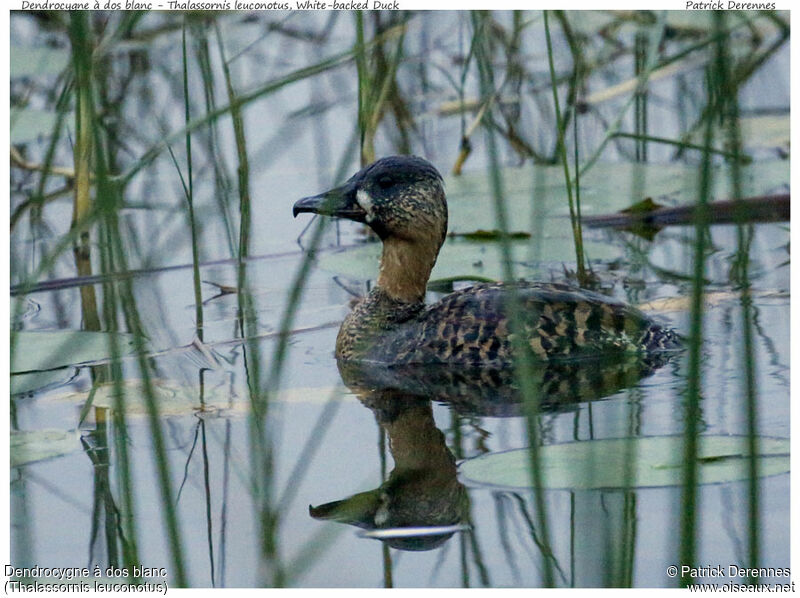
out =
column 171, row 398
column 38, row 445
column 28, row 61
column 766, row 131
column 532, row 193
column 31, row 381
column 175, row 399
column 626, row 463
column 53, row 349
column 30, row 124
column 711, row 300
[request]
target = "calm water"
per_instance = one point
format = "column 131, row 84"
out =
column 326, row 444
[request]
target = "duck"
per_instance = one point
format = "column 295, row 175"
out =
column 402, row 199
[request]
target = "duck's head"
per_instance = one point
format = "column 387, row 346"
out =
column 402, row 199
column 398, row 196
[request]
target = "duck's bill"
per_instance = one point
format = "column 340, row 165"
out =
column 339, row 203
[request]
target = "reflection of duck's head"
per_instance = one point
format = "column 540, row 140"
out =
column 422, row 503
column 402, row 198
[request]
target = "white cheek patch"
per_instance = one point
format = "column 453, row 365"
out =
column 365, row 201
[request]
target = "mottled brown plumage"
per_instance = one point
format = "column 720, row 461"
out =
column 402, row 198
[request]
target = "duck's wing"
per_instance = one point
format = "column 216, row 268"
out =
column 557, row 321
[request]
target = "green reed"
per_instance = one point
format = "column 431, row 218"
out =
column 242, row 100
column 684, row 145
column 261, row 447
column 574, row 80
column 86, row 124
column 135, row 324
column 108, row 200
column 111, row 311
column 523, row 358
column 746, row 67
column 377, row 85
column 561, row 151
column 188, row 187
column 647, row 65
column 120, row 181
column 624, row 549
column 260, row 387
column 222, row 180
column 724, row 79
column 692, row 398
column 189, row 190
column 95, row 445
column 640, row 97
column 729, row 114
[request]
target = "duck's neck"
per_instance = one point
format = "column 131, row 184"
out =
column 405, row 269
column 417, row 444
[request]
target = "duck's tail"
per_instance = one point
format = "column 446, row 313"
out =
column 659, row 338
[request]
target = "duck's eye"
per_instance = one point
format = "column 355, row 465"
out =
column 385, row 182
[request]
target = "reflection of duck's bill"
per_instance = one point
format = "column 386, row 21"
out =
column 414, row 532
column 358, row 510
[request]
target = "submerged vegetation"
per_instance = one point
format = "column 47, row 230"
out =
column 165, row 324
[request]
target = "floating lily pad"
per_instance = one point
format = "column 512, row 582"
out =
column 38, row 445
column 52, row 349
column 626, row 463
column 29, row 61
column 174, row 399
column 767, row 131
column 170, row 397
column 29, row 382
column 531, row 193
column 710, row 300
column 29, row 124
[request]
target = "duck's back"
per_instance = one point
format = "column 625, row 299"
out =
column 559, row 323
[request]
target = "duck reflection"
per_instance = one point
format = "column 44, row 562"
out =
column 494, row 392
column 422, row 503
